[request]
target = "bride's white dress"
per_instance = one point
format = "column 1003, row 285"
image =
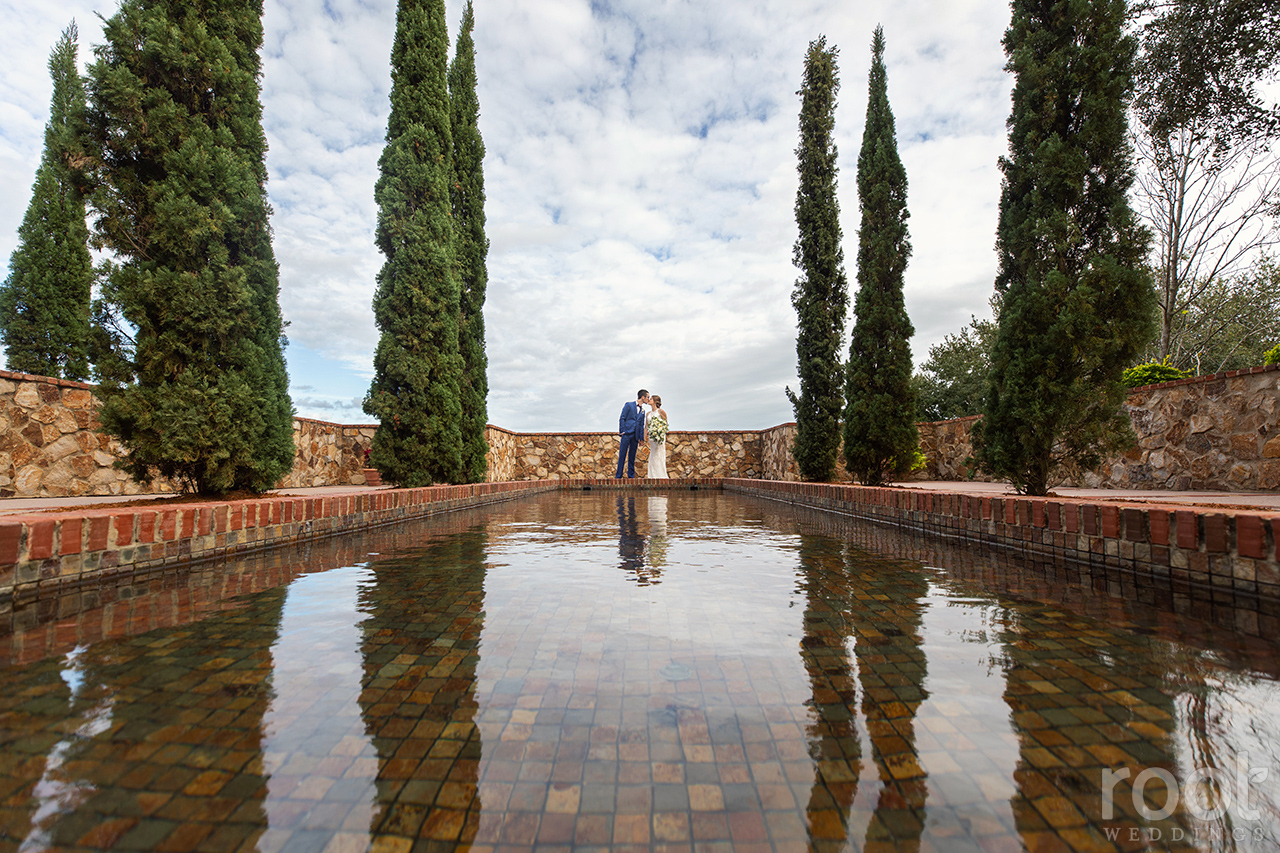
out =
column 657, row 453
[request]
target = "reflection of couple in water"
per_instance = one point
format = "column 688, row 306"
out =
column 643, row 554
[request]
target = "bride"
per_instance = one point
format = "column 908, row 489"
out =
column 656, row 432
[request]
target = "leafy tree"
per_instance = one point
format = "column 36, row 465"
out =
column 880, row 435
column 471, row 247
column 1211, row 210
column 954, row 377
column 821, row 294
column 1201, row 64
column 1209, row 180
column 417, row 367
column 1231, row 323
column 44, row 303
column 1077, row 304
column 197, row 391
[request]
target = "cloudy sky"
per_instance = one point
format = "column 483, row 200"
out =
column 640, row 177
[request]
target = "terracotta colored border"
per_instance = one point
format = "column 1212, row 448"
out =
column 1184, row 553
column 1187, row 553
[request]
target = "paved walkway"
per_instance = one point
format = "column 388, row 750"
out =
column 1258, row 501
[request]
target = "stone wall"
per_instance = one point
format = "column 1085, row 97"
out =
column 328, row 454
column 501, row 457
column 1215, row 432
column 49, row 444
column 1210, row 432
column 594, row 455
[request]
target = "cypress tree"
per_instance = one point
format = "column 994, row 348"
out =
column 417, row 367
column 44, row 303
column 821, row 294
column 879, row 419
column 1077, row 303
column 175, row 122
column 471, row 247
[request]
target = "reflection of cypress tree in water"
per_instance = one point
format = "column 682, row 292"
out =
column 1079, row 705
column 167, row 729
column 833, row 735
column 847, row 598
column 892, row 668
column 421, row 649
column 631, row 544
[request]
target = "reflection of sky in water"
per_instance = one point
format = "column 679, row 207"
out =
column 314, row 717
column 59, row 792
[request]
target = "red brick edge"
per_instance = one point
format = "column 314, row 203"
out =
column 41, row 552
column 1191, row 550
column 1194, row 548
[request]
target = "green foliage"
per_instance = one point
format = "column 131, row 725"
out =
column 415, row 392
column 1228, row 325
column 196, row 387
column 471, row 247
column 1201, row 63
column 879, row 418
column 1077, row 304
column 821, row 294
column 44, row 303
column 1152, row 373
column 1273, row 355
column 952, row 381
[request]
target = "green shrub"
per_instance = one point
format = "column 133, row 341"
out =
column 1153, row 372
column 1272, row 356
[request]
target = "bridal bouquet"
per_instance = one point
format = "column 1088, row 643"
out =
column 657, row 429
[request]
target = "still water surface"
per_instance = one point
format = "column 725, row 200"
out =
column 639, row 670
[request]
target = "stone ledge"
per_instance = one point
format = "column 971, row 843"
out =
column 44, row 555
column 1187, row 553
column 1184, row 552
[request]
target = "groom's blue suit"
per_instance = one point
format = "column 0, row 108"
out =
column 630, row 434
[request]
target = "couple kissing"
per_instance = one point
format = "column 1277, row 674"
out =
column 636, row 425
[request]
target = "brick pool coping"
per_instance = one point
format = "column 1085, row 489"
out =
column 1183, row 551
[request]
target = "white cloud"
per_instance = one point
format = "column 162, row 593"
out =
column 640, row 177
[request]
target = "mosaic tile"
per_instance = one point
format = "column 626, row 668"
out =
column 545, row 673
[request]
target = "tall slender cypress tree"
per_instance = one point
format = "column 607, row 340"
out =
column 471, row 247
column 821, row 295
column 417, row 367
column 44, row 303
column 175, row 125
column 879, row 418
column 1077, row 303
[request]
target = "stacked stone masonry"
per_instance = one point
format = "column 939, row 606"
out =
column 328, row 454
column 1214, row 432
column 1210, row 432
column 594, row 455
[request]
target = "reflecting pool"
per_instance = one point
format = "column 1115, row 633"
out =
column 634, row 670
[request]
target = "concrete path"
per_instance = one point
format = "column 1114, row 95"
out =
column 1257, row 501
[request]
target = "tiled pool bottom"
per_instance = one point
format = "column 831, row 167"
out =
column 652, row 671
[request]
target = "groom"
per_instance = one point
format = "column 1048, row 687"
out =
column 631, row 433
